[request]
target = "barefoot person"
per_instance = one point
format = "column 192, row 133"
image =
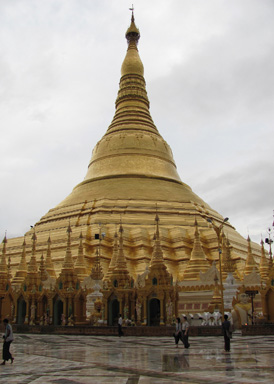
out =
column 185, row 329
column 178, row 332
column 227, row 333
column 8, row 338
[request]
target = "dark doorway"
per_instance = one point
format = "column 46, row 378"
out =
column 154, row 312
column 113, row 312
column 57, row 311
column 21, row 310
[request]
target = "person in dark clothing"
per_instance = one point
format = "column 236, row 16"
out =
column 178, row 332
column 120, row 323
column 227, row 333
column 185, row 329
column 8, row 338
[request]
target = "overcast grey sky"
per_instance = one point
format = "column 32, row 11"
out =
column 210, row 80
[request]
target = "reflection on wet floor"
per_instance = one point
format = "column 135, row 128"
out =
column 175, row 363
column 138, row 360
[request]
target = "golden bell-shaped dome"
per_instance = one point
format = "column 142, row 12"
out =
column 132, row 145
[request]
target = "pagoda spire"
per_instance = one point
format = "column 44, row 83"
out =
column 4, row 273
column 68, row 276
column 80, row 264
column 68, row 261
column 120, row 272
column 132, row 129
column 42, row 269
column 264, row 265
column 250, row 264
column 228, row 262
column 48, row 261
column 114, row 257
column 96, row 271
column 3, row 265
column 197, row 262
column 32, row 277
column 32, row 266
column 21, row 272
column 121, row 264
column 157, row 255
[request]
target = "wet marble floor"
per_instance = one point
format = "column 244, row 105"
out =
column 62, row 359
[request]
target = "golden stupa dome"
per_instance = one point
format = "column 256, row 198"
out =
column 131, row 170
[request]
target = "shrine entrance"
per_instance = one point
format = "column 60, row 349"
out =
column 113, row 312
column 154, row 312
column 57, row 311
column 21, row 305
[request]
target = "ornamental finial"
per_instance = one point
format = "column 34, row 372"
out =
column 132, row 15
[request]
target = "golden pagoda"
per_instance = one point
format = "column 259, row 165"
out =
column 131, row 171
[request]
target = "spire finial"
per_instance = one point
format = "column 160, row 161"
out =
column 132, row 15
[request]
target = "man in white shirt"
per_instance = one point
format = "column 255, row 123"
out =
column 8, row 338
column 185, row 329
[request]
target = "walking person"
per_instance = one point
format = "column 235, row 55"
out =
column 227, row 333
column 120, row 323
column 178, row 332
column 8, row 338
column 185, row 331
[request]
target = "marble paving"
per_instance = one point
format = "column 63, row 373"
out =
column 62, row 359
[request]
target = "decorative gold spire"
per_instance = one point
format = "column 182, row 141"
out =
column 228, row 262
column 32, row 266
column 264, row 264
column 121, row 264
column 114, row 257
column 4, row 273
column 42, row 269
column 21, row 272
column 48, row 262
column 68, row 276
column 96, row 271
column 9, row 268
column 80, row 264
column 68, row 261
column 132, row 63
column 157, row 255
column 250, row 264
column 216, row 302
column 197, row 262
column 3, row 265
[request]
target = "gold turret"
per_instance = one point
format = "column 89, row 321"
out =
column 228, row 262
column 114, row 257
column 21, row 272
column 119, row 274
column 3, row 266
column 250, row 264
column 157, row 254
column 68, row 277
column 264, row 264
column 32, row 266
column 48, row 262
column 197, row 262
column 80, row 264
column 42, row 269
